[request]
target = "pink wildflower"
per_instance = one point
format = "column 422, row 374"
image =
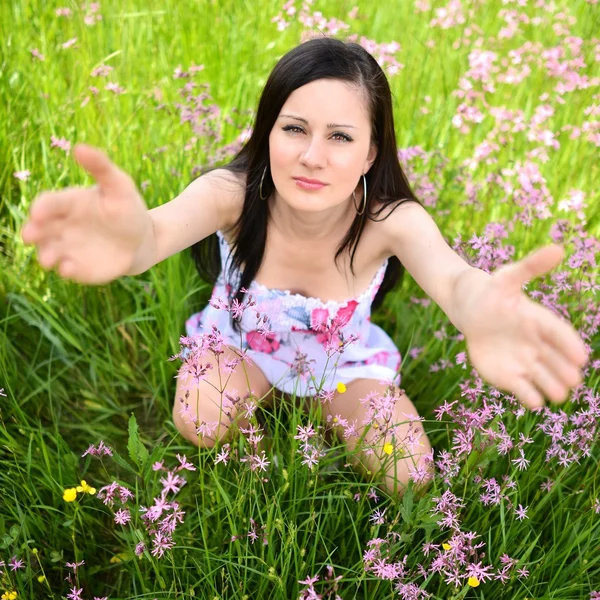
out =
column 173, row 483
column 102, row 450
column 122, row 517
column 75, row 594
column 75, row 565
column 125, row 494
column 184, row 463
column 161, row 543
column 61, row 143
column 305, row 433
column 22, row 175
column 521, row 512
column 377, row 518
column 70, row 43
column 223, row 456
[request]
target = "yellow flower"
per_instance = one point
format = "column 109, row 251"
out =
column 341, row 388
column 120, row 557
column 388, row 448
column 42, row 578
column 84, row 487
column 473, row 581
column 70, row 495
column 9, row 596
column 446, row 546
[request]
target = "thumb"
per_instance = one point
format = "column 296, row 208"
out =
column 108, row 176
column 538, row 263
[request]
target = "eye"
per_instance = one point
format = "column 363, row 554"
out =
column 345, row 138
column 341, row 137
column 292, row 128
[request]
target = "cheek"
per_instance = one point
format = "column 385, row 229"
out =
column 346, row 166
column 282, row 155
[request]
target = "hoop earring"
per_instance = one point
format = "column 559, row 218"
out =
column 364, row 197
column 260, row 190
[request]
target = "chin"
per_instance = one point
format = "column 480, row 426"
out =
column 307, row 201
column 308, row 204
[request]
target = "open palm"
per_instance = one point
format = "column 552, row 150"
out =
column 90, row 235
column 518, row 345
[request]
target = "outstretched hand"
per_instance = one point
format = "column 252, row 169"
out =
column 518, row 345
column 91, row 235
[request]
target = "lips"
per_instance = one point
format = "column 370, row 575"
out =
column 309, row 181
column 308, row 185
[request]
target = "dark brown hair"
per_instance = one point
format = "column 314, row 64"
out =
column 320, row 58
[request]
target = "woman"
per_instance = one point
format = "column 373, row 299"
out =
column 313, row 219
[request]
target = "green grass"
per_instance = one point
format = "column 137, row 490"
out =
column 76, row 362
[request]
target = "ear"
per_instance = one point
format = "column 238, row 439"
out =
column 370, row 158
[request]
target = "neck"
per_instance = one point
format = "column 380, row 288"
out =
column 311, row 226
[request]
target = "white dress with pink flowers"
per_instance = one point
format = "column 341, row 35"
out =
column 306, row 345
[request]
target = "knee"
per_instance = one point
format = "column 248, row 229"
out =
column 202, row 419
column 187, row 425
column 410, row 467
column 195, row 421
column 422, row 474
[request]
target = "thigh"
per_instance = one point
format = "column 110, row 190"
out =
column 217, row 397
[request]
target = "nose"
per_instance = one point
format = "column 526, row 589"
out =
column 313, row 156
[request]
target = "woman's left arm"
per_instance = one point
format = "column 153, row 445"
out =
column 514, row 343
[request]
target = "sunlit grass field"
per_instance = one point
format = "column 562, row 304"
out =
column 497, row 109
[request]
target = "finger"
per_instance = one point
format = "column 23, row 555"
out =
column 101, row 168
column 563, row 336
column 29, row 233
column 556, row 362
column 51, row 205
column 48, row 255
column 42, row 233
column 548, row 383
column 67, row 268
column 533, row 265
column 527, row 394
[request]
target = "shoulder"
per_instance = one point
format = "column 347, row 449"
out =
column 395, row 221
column 231, row 190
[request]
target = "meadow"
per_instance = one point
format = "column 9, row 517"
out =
column 497, row 111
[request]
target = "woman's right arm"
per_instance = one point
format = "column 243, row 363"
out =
column 98, row 234
column 211, row 202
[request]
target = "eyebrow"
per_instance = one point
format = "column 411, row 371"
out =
column 330, row 125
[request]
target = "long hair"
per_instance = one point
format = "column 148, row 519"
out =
column 320, row 58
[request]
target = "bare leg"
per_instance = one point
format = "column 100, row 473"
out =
column 393, row 448
column 208, row 406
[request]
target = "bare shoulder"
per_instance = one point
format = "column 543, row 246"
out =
column 231, row 190
column 393, row 220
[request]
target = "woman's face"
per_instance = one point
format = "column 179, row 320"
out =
column 323, row 133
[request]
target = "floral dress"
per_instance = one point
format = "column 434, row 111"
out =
column 307, row 346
